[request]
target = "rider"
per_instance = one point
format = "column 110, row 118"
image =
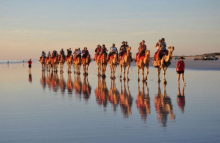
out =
column 162, row 48
column 85, row 52
column 62, row 52
column 104, row 49
column 48, row 55
column 122, row 48
column 142, row 48
column 43, row 54
column 69, row 51
column 158, row 49
column 113, row 50
column 78, row 53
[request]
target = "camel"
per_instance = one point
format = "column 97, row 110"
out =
column 85, row 62
column 69, row 62
column 48, row 64
column 113, row 64
column 42, row 61
column 163, row 105
column 163, row 64
column 143, row 101
column 96, row 59
column 55, row 63
column 77, row 65
column 125, row 62
column 62, row 62
column 102, row 64
column 143, row 62
column 125, row 100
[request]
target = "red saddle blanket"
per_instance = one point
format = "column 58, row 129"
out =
column 140, row 57
column 111, row 57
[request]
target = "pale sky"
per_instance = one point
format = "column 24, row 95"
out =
column 28, row 27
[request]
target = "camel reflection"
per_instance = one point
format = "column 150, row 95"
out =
column 113, row 95
column 62, row 84
column 101, row 92
column 125, row 100
column 55, row 82
column 181, row 98
column 43, row 80
column 77, row 84
column 48, row 80
column 86, row 88
column 163, row 106
column 143, row 101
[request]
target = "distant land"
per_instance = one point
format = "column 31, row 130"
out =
column 206, row 54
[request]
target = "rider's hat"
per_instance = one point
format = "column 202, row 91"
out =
column 181, row 58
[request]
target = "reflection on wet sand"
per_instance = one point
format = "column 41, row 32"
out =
column 181, row 98
column 125, row 100
column 163, row 106
column 113, row 95
column 55, row 82
column 30, row 78
column 62, row 84
column 43, row 80
column 86, row 88
column 77, row 84
column 143, row 101
column 69, row 84
column 101, row 92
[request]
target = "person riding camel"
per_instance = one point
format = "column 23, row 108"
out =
column 158, row 50
column 104, row 49
column 122, row 49
column 142, row 48
column 69, row 52
column 163, row 50
column 85, row 52
column 43, row 54
column 113, row 50
column 78, row 53
column 97, row 52
column 62, row 52
column 48, row 55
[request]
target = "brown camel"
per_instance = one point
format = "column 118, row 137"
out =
column 163, row 64
column 42, row 61
column 125, row 62
column 69, row 62
column 85, row 62
column 77, row 65
column 142, row 63
column 113, row 64
column 103, row 64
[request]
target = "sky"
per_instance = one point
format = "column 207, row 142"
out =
column 28, row 27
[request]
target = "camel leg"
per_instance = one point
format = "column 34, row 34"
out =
column 128, row 72
column 142, row 72
column 138, row 73
column 124, row 68
column 121, row 72
column 147, row 72
column 164, row 73
column 158, row 74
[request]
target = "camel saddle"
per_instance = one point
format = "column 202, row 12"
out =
column 140, row 57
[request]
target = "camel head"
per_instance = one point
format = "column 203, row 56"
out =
column 128, row 49
column 147, row 52
column 171, row 49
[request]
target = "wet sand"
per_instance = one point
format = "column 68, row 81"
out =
column 60, row 108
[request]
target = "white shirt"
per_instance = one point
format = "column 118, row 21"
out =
column 113, row 49
column 78, row 52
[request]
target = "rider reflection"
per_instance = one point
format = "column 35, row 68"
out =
column 30, row 78
column 55, row 82
column 143, row 101
column 181, row 98
column 163, row 106
column 125, row 100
